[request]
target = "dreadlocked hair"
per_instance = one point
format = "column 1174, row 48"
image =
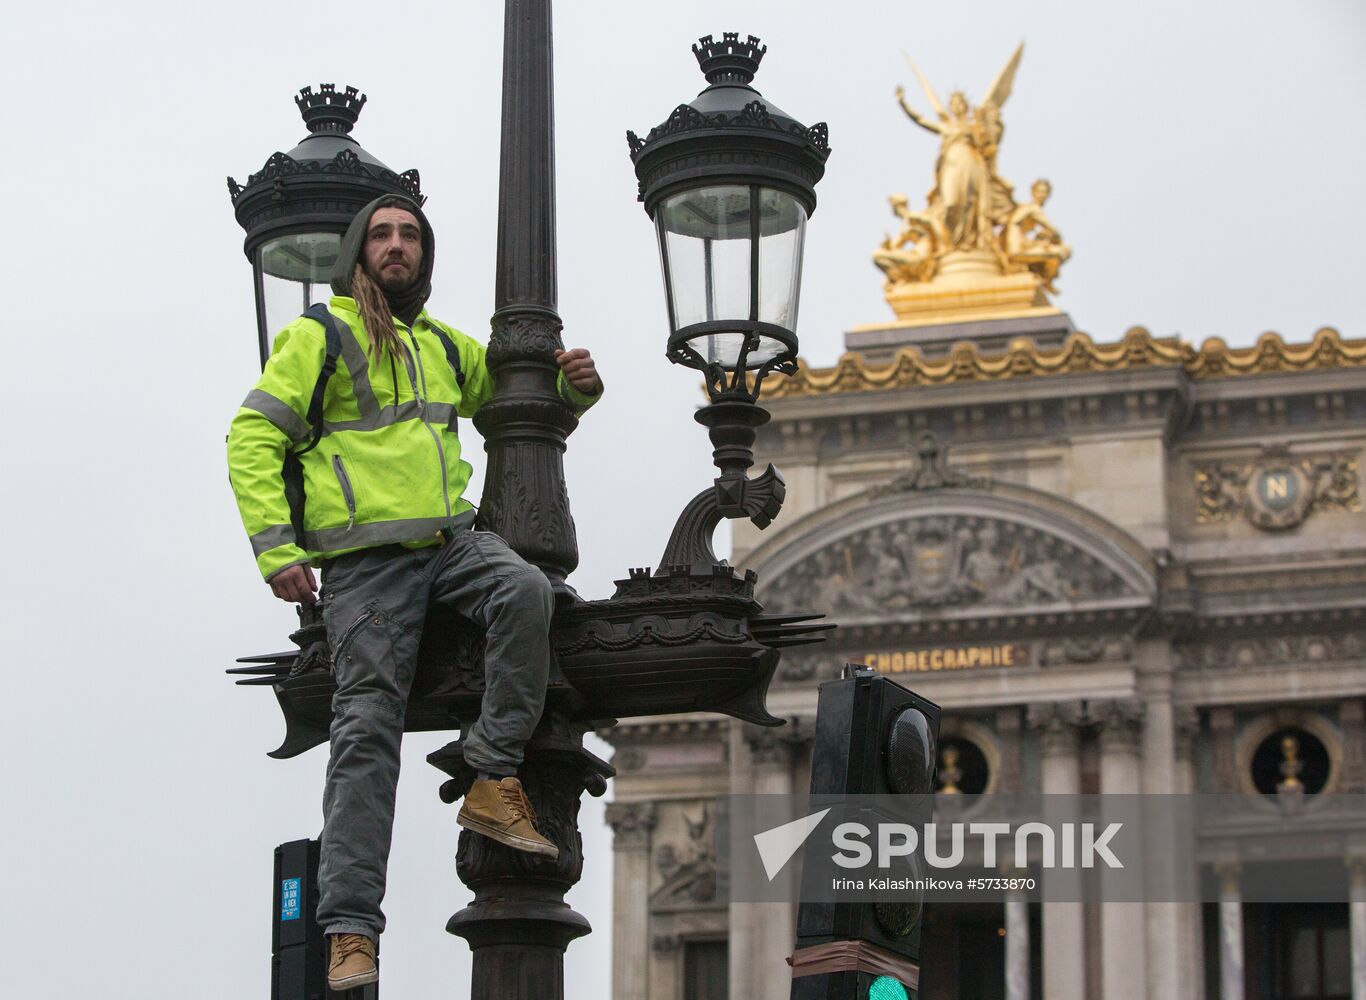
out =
column 374, row 312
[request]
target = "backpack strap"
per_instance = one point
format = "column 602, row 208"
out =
column 319, row 313
column 453, row 359
column 452, row 354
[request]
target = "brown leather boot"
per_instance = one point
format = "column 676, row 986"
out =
column 351, row 962
column 501, row 811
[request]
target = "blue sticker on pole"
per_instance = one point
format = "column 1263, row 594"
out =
column 290, row 905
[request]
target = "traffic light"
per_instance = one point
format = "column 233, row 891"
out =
column 873, row 738
column 298, row 964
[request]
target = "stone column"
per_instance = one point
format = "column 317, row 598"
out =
column 666, row 960
column 631, row 824
column 1008, row 732
column 1017, row 946
column 760, row 971
column 1350, row 719
column 1356, row 868
column 1230, row 930
column 1190, row 917
column 1064, row 929
column 742, row 917
column 1122, row 924
column 1163, row 921
column 1222, row 724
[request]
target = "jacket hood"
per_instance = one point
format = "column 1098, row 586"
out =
column 409, row 302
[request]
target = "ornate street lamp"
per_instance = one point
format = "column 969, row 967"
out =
column 296, row 208
column 730, row 180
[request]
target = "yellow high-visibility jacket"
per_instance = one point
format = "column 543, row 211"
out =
column 388, row 467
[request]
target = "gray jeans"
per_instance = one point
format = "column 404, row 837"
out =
column 377, row 603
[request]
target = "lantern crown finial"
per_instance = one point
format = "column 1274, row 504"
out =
column 329, row 111
column 729, row 60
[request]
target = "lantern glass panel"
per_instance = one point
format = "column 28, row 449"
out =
column 705, row 236
column 782, row 230
column 293, row 273
column 710, row 258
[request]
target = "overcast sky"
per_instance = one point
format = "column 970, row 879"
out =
column 1206, row 163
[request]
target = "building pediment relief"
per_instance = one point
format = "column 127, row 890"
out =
column 947, row 560
column 946, row 544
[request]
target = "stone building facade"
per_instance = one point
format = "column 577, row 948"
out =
column 1130, row 567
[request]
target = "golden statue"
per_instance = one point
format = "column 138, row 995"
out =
column 913, row 254
column 967, row 195
column 949, row 772
column 1291, row 766
column 973, row 249
column 1034, row 243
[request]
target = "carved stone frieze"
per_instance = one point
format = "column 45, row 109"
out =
column 689, row 867
column 1277, row 491
column 631, row 823
column 1271, row 651
column 946, row 560
column 1087, row 649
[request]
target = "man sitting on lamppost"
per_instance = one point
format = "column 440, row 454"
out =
column 378, row 461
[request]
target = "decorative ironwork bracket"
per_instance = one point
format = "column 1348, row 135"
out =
column 758, row 499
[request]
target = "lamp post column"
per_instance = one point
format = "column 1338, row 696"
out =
column 518, row 924
column 525, row 423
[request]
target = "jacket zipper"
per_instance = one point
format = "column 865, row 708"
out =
column 347, row 493
column 421, row 413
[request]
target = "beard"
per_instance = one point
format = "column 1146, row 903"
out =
column 394, row 282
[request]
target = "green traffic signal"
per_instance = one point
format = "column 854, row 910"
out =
column 887, row 988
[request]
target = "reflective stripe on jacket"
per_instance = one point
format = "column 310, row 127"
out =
column 388, row 467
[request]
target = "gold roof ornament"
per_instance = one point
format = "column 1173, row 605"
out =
column 1078, row 354
column 973, row 252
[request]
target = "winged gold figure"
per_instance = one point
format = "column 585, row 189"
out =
column 968, row 195
column 980, row 248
